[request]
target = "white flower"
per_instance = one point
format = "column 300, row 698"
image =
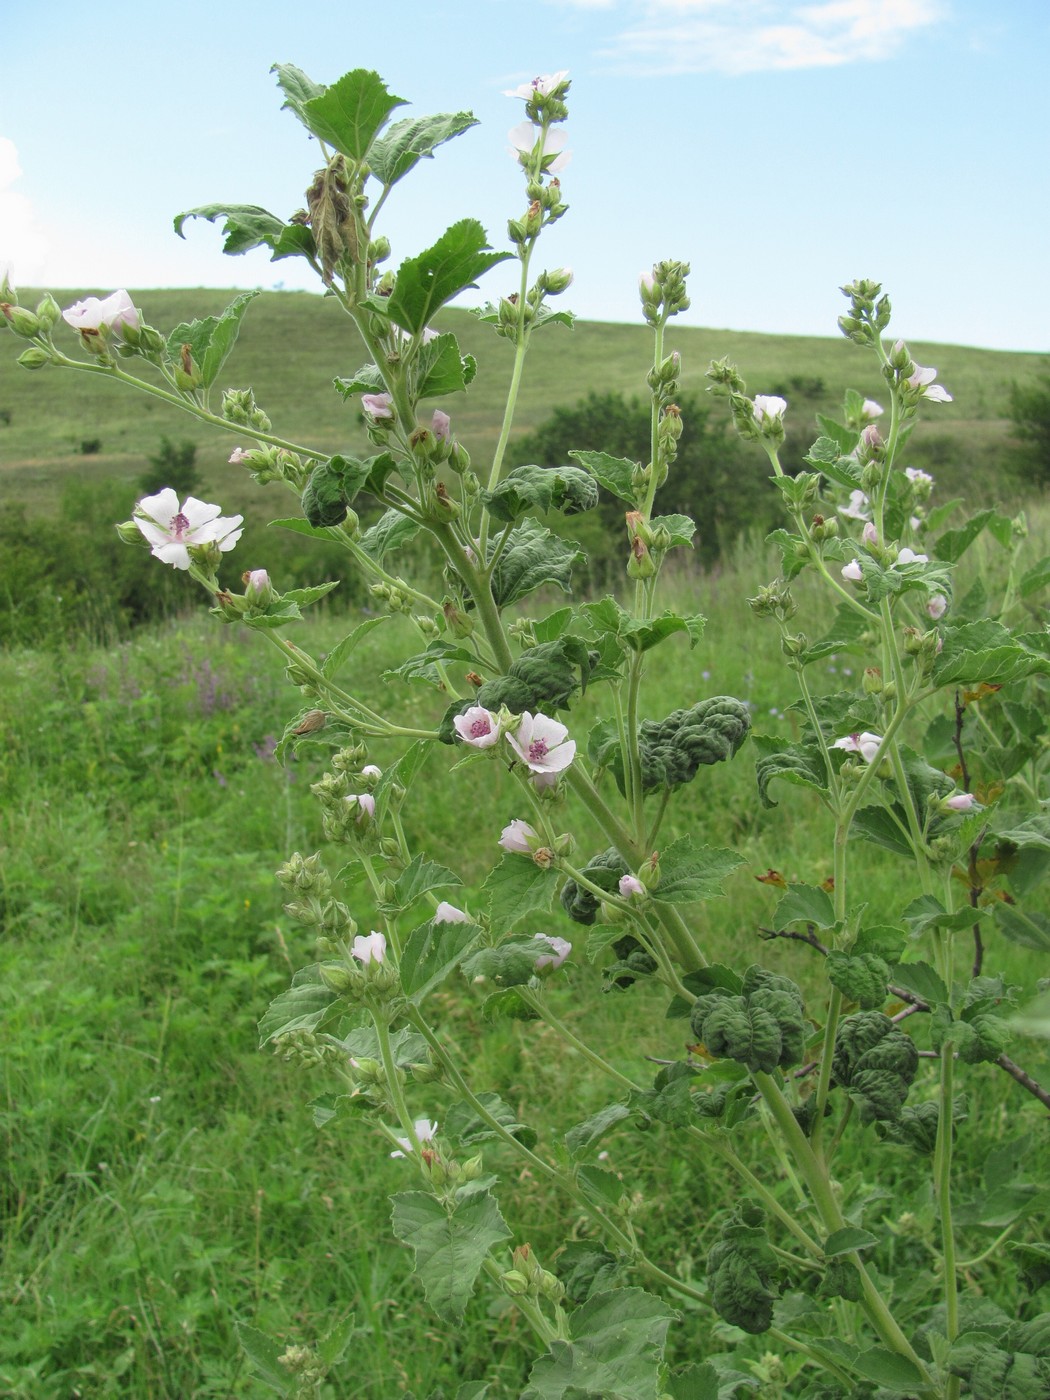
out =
column 961, row 802
column 477, row 727
column 922, row 379
column 646, row 282
column 867, row 745
column 630, row 884
column 869, row 534
column 377, row 406
column 110, row 313
column 908, row 556
column 542, row 743
column 858, row 506
column 542, row 86
column 918, row 477
column 364, row 805
column 560, row 950
column 424, row 1131
column 519, row 838
column 851, row 572
column 447, row 913
column 523, row 139
column 869, row 409
column 371, row 770
column 370, row 949
column 769, row 408
column 173, row 529
column 937, row 606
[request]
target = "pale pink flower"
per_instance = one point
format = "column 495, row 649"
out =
column 447, row 913
column 961, row 802
column 524, row 137
column 858, row 506
column 371, row 770
column 542, row 781
column 869, row 534
column 258, row 588
column 908, row 556
column 424, row 1131
column 869, row 409
column 110, row 313
column 630, row 884
column 542, row 743
column 851, row 572
column 365, row 807
column 370, row 948
column 922, row 379
column 871, row 437
column 769, row 408
column 173, row 529
column 936, row 606
column 542, row 86
column 477, row 727
column 867, row 745
column 918, row 477
column 559, row 951
column 440, row 424
column 377, row 406
column 646, row 282
column 519, row 838
column 237, row 456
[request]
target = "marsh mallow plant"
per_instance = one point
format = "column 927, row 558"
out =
column 937, row 757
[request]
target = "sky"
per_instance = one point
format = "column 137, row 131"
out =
column 780, row 148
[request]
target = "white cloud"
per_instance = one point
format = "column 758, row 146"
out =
column 23, row 248
column 756, row 36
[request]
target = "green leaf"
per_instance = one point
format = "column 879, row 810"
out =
column 440, row 369
column 541, row 489
column 517, row 887
column 248, row 226
column 392, row 531
column 533, row 557
column 510, row 964
column 828, row 455
column 927, row 911
column 298, row 89
column 954, row 543
column 211, row 340
column 341, row 652
column 690, row 871
column 464, row 1124
column 508, row 1005
column 407, row 142
column 701, row 1382
column 450, row 1245
column 1023, row 927
column 680, row 527
column 1035, row 579
column 889, row 1369
column 805, row 904
column 882, row 940
column 802, row 765
column 303, row 527
column 875, row 824
column 332, row 1346
column 303, row 597
column 985, row 651
column 551, row 627
column 425, row 283
column 847, row 1240
column 593, row 1129
column 923, row 980
column 349, row 114
column 302, row 1007
column 431, row 953
column 641, row 636
column 264, row 1355
column 616, row 474
column 366, row 380
column 615, row 1351
column 424, row 665
column 418, row 878
column 324, row 499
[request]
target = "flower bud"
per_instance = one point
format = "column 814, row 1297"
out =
column 379, row 250
column 457, row 621
column 640, row 563
column 337, row 977
column 871, row 681
column 258, row 590
column 556, row 282
column 22, row 321
column 34, row 358
column 515, row 1283
column 48, row 311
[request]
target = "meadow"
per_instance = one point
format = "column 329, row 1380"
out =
column 161, row 1178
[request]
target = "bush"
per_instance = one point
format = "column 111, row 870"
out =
column 713, row 481
column 1030, row 411
column 173, row 465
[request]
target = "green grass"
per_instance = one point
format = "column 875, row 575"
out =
column 293, row 344
column 163, row 1179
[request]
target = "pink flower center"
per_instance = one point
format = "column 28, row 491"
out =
column 179, row 523
column 480, row 728
column 537, row 750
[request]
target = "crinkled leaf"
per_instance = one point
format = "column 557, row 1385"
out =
column 802, row 765
column 249, row 226
column 349, row 114
column 211, row 340
column 450, row 1245
column 298, row 89
column 466, row 1126
column 407, row 1047
column 441, row 369
column 567, row 489
column 985, row 651
column 594, row 1128
column 425, row 283
column 324, row 498
column 690, row 871
column 533, row 557
column 431, row 953
column 641, row 635
column 301, row 1008
column 860, row 977
column 515, row 888
column 391, row 531
column 418, row 878
column 805, row 904
column 616, row 474
column 394, row 154
column 680, row 527
column 828, row 455
column 794, row 552
column 366, row 380
column 511, row 964
column 615, row 1350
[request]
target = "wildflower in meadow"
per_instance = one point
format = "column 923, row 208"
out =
column 364, row 805
column 630, row 885
column 918, row 477
column 447, row 913
column 542, row 86
column 867, row 745
column 559, row 951
column 908, row 556
column 961, row 802
column 424, row 1131
column 524, row 137
column 477, row 727
column 519, row 838
column 869, row 409
column 440, row 424
column 379, row 407
column 858, row 506
column 173, row 529
column 370, row 948
column 936, row 606
column 922, row 379
column 542, row 743
column 769, row 408
column 851, row 572
column 109, row 313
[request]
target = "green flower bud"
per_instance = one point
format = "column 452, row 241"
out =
column 48, row 311
column 23, row 321
column 34, row 358
column 130, row 533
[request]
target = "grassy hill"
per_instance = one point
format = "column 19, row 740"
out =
column 293, row 344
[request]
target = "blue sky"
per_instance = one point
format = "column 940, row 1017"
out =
column 782, row 148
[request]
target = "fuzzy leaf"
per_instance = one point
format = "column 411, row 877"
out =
column 450, row 1246
column 394, row 154
column 349, row 114
column 616, row 474
column 466, row 1126
column 690, row 871
column 510, row 964
column 517, row 887
column 392, row 531
column 533, row 557
column 680, row 527
column 848, row 1239
column 298, row 89
column 440, row 369
column 802, row 765
column 615, row 1350
column 366, row 380
column 805, row 904
column 341, row 652
column 593, row 1129
column 302, row 1007
column 431, row 953
column 264, row 1355
column 527, row 488
column 210, row 340
column 425, row 283
column 1024, row 927
column 248, row 226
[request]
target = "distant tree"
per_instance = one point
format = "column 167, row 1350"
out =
column 174, row 465
column 1030, row 411
column 724, row 488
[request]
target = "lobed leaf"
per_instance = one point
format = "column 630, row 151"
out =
column 450, row 1244
column 425, row 283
